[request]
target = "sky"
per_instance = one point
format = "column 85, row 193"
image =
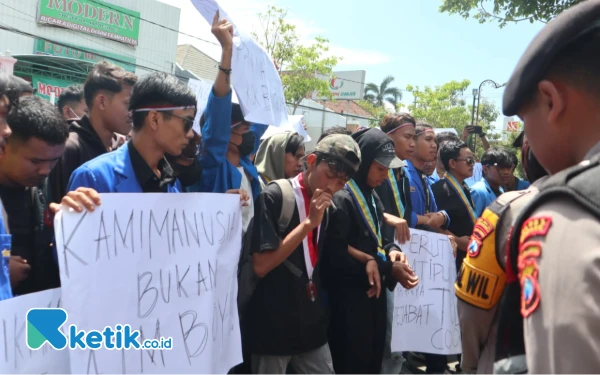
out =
column 408, row 39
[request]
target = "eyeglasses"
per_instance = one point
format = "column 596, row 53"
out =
column 187, row 123
column 469, row 161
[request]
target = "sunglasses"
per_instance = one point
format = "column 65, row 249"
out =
column 187, row 123
column 469, row 161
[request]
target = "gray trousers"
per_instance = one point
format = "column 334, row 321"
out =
column 316, row 361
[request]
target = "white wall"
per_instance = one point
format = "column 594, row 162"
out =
column 314, row 120
column 157, row 46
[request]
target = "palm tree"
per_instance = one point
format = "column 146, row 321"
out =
column 383, row 93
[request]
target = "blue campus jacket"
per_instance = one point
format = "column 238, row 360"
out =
column 482, row 195
column 218, row 174
column 111, row 173
column 417, row 195
column 5, row 247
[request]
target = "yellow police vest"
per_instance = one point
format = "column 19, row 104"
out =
column 482, row 276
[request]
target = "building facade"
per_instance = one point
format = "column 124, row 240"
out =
column 56, row 42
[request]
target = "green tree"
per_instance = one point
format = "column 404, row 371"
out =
column 446, row 106
column 383, row 93
column 300, row 66
column 378, row 112
column 277, row 36
column 303, row 75
column 505, row 11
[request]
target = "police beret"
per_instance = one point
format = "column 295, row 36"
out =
column 563, row 30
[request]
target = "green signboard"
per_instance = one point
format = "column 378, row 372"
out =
column 46, row 85
column 92, row 17
column 91, row 55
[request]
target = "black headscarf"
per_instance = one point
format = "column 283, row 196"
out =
column 369, row 141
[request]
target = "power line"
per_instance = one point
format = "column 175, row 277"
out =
column 154, row 23
column 23, row 33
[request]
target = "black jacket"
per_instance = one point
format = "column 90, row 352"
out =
column 82, row 146
column 44, row 272
column 385, row 193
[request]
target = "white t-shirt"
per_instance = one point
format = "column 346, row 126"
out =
column 247, row 211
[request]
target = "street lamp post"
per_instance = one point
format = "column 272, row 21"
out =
column 496, row 86
column 475, row 92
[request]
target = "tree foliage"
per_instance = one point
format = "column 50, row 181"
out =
column 299, row 65
column 377, row 95
column 505, row 11
column 447, row 106
column 277, row 36
column 378, row 112
column 302, row 77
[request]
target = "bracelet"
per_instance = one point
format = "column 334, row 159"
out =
column 226, row 71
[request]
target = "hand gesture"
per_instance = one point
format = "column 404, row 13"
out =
column 244, row 197
column 374, row 279
column 398, row 256
column 318, row 204
column 403, row 273
column 18, row 269
column 436, row 220
column 466, row 131
column 223, row 31
column 402, row 230
column 78, row 200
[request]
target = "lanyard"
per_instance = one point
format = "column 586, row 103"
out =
column 463, row 197
column 365, row 212
column 394, row 185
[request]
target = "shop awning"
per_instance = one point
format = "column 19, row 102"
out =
column 52, row 66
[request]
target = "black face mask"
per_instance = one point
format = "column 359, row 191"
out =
column 188, row 175
column 247, row 145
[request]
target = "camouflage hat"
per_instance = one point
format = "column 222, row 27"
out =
column 341, row 147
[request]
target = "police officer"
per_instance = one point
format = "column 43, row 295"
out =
column 485, row 265
column 555, row 246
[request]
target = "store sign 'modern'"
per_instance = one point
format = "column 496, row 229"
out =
column 110, row 21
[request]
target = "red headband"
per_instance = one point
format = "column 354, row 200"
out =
column 401, row 126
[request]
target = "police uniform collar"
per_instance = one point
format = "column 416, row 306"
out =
column 565, row 29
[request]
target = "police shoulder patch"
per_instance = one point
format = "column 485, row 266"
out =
column 482, row 229
column 529, row 252
column 535, row 226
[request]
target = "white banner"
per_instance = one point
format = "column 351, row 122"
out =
column 295, row 125
column 202, row 91
column 15, row 356
column 166, row 264
column 425, row 317
column 253, row 75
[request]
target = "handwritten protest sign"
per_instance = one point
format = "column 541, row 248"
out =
column 253, row 75
column 166, row 264
column 425, row 317
column 202, row 91
column 15, row 356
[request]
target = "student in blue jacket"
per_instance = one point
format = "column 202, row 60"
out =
column 227, row 139
column 163, row 113
column 497, row 169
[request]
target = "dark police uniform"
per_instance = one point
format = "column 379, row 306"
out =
column 551, row 313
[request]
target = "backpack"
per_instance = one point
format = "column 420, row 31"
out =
column 247, row 279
